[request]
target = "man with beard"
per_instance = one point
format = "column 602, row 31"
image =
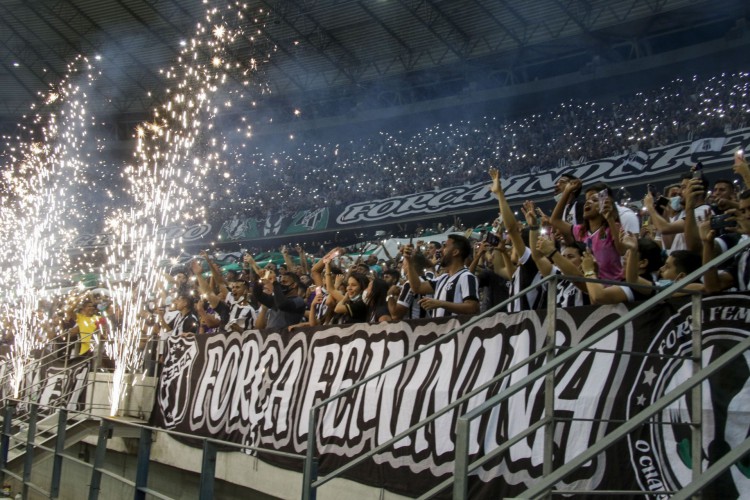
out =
column 455, row 291
column 736, row 273
column 237, row 310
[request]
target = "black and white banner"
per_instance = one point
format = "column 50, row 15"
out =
column 257, row 389
column 629, row 170
column 50, row 384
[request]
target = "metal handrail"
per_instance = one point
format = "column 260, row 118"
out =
column 310, row 480
column 463, row 423
column 546, row 369
column 69, row 365
column 732, row 457
column 54, row 354
column 75, row 363
column 315, row 482
column 641, row 417
column 106, row 425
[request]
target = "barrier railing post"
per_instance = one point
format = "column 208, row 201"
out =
column 144, row 457
column 8, row 411
column 461, row 467
column 208, row 471
column 549, row 379
column 105, row 432
column 310, row 473
column 94, row 366
column 62, row 424
column 696, row 393
column 28, row 458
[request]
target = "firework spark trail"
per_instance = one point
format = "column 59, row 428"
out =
column 38, row 183
column 177, row 156
column 171, row 181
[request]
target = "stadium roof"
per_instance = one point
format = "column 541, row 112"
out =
column 332, row 56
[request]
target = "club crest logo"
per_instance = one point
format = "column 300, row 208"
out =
column 661, row 452
column 174, row 388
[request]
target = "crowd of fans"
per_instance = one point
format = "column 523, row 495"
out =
column 587, row 235
column 613, row 254
column 311, row 175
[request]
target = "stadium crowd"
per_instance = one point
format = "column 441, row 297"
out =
column 391, row 163
column 587, row 235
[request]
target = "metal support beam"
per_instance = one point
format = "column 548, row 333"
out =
column 385, row 27
column 105, row 431
column 696, row 394
column 549, row 379
column 639, row 419
column 599, row 45
column 57, row 461
column 499, row 23
column 83, row 37
column 29, row 46
column 310, row 474
column 208, row 471
column 28, row 459
column 718, row 468
column 460, row 54
column 461, row 483
column 8, row 412
column 142, row 466
column 335, row 62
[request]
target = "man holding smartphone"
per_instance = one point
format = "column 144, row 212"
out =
column 573, row 211
column 737, row 273
column 285, row 306
column 683, row 227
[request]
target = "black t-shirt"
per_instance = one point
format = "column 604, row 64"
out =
column 493, row 289
column 356, row 312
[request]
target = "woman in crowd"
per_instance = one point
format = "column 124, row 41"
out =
column 599, row 231
column 350, row 307
column 375, row 297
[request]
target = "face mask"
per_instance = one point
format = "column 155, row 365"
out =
column 663, row 283
column 365, row 295
column 558, row 197
column 676, row 203
column 285, row 289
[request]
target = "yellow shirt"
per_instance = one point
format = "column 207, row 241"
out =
column 87, row 325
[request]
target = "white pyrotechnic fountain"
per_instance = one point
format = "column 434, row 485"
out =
column 180, row 157
column 38, row 210
column 180, row 153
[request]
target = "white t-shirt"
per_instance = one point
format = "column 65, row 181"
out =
column 678, row 242
column 628, row 220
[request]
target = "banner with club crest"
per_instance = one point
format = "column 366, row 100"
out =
column 257, row 388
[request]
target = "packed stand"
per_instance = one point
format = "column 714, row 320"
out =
column 309, row 175
column 604, row 253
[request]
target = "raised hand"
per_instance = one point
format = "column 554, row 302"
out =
column 495, row 176
column 528, row 209
column 629, row 240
